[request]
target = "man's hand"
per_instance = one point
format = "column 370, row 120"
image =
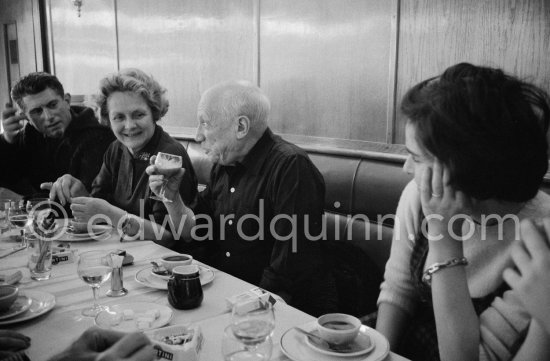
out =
column 11, row 341
column 65, row 188
column 171, row 179
column 86, row 207
column 11, row 122
column 105, row 345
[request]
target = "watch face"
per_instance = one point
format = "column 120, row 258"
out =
column 130, row 227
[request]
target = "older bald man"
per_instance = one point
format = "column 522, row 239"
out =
column 263, row 205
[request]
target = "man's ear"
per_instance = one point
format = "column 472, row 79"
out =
column 67, row 98
column 243, row 126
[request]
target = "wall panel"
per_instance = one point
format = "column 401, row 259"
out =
column 84, row 47
column 510, row 34
column 325, row 65
column 329, row 66
column 188, row 46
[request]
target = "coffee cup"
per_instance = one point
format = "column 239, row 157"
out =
column 184, row 287
column 8, row 295
column 79, row 227
column 338, row 328
column 170, row 261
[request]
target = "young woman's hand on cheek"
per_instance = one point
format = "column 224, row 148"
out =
column 442, row 205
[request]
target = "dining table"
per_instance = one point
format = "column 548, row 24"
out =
column 61, row 323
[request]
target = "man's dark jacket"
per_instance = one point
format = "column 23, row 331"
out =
column 33, row 159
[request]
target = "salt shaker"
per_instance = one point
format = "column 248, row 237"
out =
column 117, row 287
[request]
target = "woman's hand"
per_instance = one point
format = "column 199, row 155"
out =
column 65, row 188
column 171, row 179
column 102, row 345
column 531, row 278
column 86, row 207
column 11, row 341
column 441, row 203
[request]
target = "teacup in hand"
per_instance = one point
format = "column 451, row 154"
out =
column 338, row 328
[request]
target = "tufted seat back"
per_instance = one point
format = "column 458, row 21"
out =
column 361, row 198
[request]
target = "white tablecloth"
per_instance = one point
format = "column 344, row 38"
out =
column 54, row 331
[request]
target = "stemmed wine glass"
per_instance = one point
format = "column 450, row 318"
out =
column 18, row 217
column 4, row 207
column 94, row 270
column 249, row 335
column 167, row 165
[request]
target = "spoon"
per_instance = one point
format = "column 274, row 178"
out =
column 324, row 344
column 159, row 270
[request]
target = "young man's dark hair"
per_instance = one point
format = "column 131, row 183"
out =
column 35, row 83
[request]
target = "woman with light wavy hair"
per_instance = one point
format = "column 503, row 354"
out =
column 132, row 103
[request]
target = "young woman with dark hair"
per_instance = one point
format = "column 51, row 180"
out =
column 478, row 152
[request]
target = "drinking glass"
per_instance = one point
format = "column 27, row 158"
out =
column 40, row 256
column 38, row 204
column 167, row 165
column 37, row 208
column 94, row 270
column 233, row 349
column 249, row 335
column 4, row 223
column 18, row 217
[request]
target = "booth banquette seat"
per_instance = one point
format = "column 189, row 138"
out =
column 362, row 193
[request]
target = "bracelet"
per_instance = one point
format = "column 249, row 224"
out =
column 427, row 276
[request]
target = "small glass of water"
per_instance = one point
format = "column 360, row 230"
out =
column 18, row 217
column 93, row 268
column 249, row 335
column 234, row 349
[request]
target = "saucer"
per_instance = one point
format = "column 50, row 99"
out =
column 147, row 278
column 21, row 304
column 42, row 302
column 105, row 318
column 295, row 346
column 98, row 232
column 360, row 346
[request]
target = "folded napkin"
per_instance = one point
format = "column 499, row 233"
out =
column 11, row 279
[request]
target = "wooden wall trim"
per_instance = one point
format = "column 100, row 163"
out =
column 49, row 36
column 355, row 149
column 36, row 23
column 369, row 150
column 392, row 77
